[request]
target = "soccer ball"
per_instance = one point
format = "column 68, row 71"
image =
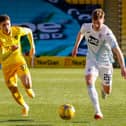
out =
column 66, row 111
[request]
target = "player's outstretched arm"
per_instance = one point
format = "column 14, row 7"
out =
column 32, row 47
column 28, row 32
column 31, row 41
column 121, row 61
column 78, row 40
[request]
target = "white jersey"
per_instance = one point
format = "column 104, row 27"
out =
column 100, row 43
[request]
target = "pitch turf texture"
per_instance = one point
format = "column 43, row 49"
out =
column 54, row 87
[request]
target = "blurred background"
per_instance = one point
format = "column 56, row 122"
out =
column 55, row 24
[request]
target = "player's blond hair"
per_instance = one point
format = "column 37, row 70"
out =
column 4, row 18
column 98, row 14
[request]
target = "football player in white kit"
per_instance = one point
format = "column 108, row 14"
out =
column 101, row 44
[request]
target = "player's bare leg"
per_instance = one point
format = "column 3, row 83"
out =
column 26, row 81
column 25, row 78
column 17, row 95
column 106, row 90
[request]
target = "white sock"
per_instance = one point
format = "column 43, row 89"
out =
column 26, row 106
column 94, row 97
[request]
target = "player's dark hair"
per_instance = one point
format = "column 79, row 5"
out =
column 4, row 18
column 98, row 14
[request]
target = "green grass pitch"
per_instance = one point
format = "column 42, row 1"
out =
column 54, row 87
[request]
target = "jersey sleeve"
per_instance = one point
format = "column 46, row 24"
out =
column 28, row 32
column 24, row 31
column 111, row 39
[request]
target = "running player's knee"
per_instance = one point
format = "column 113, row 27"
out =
column 13, row 89
column 26, row 81
column 107, row 89
column 89, row 79
column 27, row 86
column 15, row 92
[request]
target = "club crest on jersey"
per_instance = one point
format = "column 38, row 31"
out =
column 16, row 37
column 107, row 34
column 89, row 69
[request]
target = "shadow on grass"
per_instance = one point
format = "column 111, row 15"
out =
column 32, row 122
column 34, row 125
column 20, row 120
column 16, row 120
column 80, row 122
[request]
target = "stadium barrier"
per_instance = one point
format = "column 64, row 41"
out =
column 82, row 2
column 61, row 62
column 57, row 62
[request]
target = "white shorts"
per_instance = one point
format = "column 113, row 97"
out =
column 104, row 72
